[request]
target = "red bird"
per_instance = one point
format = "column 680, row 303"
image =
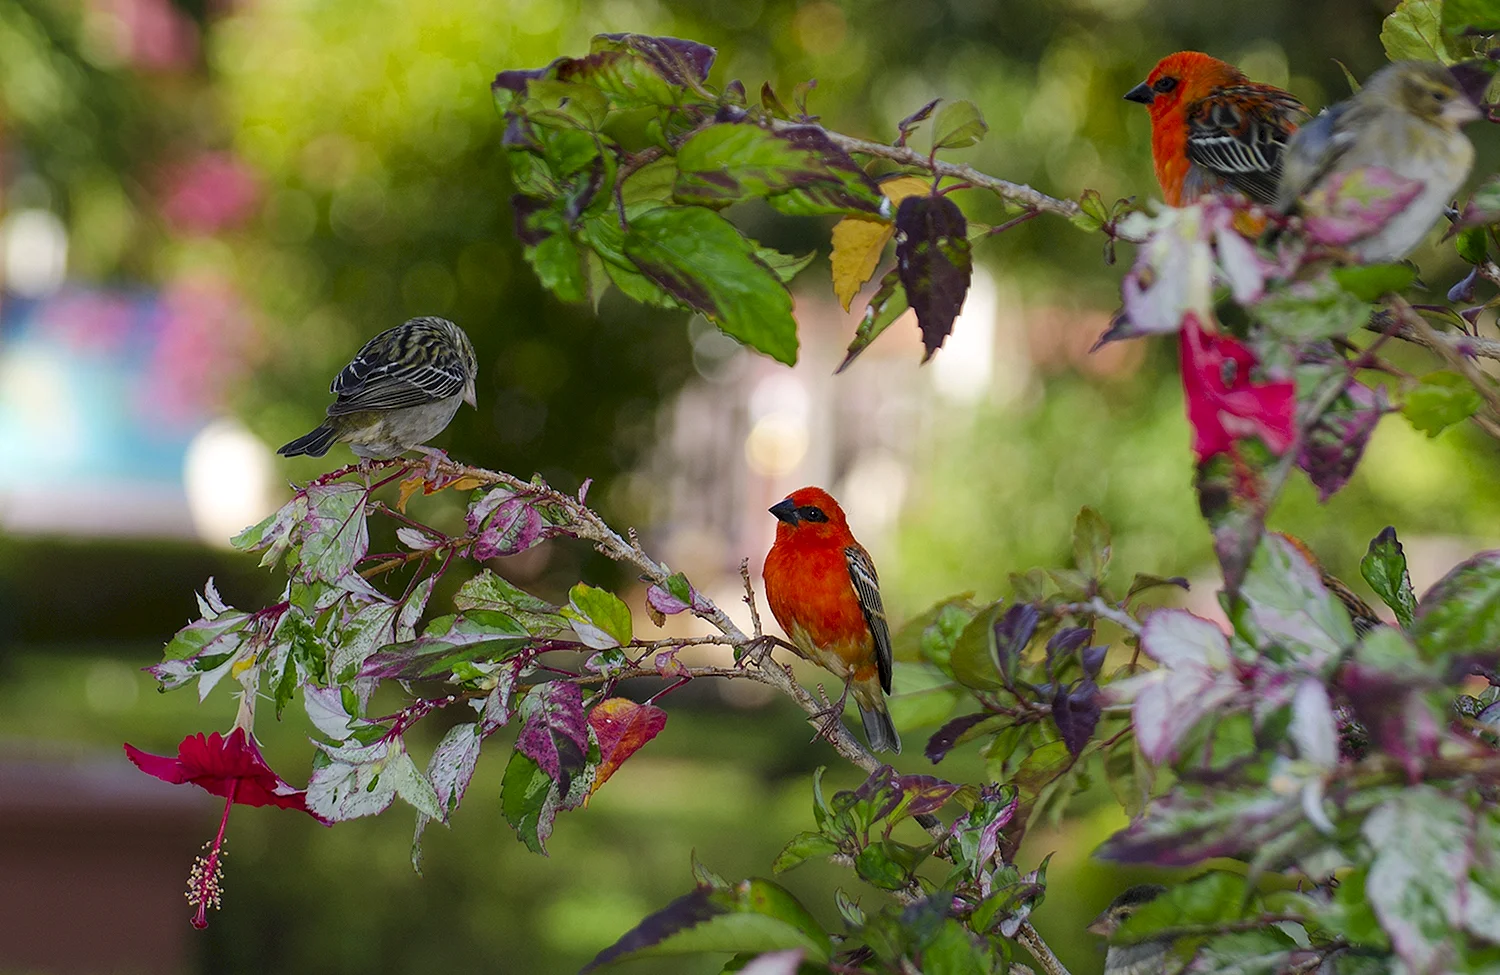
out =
column 1213, row 130
column 822, row 588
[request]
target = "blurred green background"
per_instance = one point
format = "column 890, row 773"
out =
column 333, row 167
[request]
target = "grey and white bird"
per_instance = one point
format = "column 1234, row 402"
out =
column 1145, row 958
column 1408, row 120
column 398, row 392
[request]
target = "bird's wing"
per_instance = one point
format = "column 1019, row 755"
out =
column 410, row 365
column 867, row 589
column 1239, row 134
column 1312, row 151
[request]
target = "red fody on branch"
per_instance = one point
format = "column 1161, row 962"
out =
column 231, row 767
column 1223, row 405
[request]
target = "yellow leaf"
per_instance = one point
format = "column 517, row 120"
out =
column 466, row 483
column 409, row 487
column 858, row 242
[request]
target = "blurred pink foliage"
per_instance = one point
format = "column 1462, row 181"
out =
column 152, row 35
column 204, row 333
column 211, row 192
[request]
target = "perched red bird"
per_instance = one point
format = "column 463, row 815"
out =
column 822, row 588
column 1214, row 130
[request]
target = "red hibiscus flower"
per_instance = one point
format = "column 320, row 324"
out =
column 231, row 767
column 1223, row 405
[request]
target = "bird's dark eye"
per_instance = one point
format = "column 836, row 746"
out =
column 811, row 513
column 1164, row 85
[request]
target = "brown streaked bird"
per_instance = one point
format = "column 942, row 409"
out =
column 398, row 392
column 823, row 590
column 1145, row 958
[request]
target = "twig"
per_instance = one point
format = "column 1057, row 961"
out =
column 1449, row 352
column 1098, row 607
column 1440, row 342
column 1033, row 943
column 1018, row 192
column 750, row 598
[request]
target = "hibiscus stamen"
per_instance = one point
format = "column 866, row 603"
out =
column 206, row 880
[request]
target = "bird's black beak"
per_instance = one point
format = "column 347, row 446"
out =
column 785, row 511
column 1141, row 93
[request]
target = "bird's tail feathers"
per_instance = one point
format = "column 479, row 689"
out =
column 313, row 444
column 879, row 731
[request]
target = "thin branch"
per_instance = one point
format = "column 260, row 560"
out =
column 1437, row 342
column 1017, row 192
column 583, row 522
column 750, row 598
column 1450, row 352
column 1098, row 607
column 1033, row 943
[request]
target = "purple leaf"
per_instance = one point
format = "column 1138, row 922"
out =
column 1191, row 824
column 517, row 80
column 924, row 793
column 934, row 261
column 688, row 911
column 1067, row 640
column 1333, row 448
column 1093, row 659
column 555, row 733
column 681, row 62
column 945, row 738
column 1012, row 632
column 676, row 596
column 1463, row 291
column 503, row 523
column 1350, row 206
column 1076, row 712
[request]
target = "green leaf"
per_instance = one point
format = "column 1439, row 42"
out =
column 599, row 617
column 886, row 864
column 1473, row 244
column 559, row 266
column 803, row 846
column 734, row 161
column 957, row 125
column 954, row 950
column 1384, row 568
column 1264, row 952
column 607, row 237
column 931, row 635
column 1440, row 400
column 1414, row 31
column 888, row 304
column 528, row 798
column 753, row 916
column 1316, row 309
column 488, row 591
column 652, row 183
column 973, row 656
column 786, row 266
column 1460, row 16
column 1091, row 543
column 1352, row 916
column 1370, row 282
column 1211, row 899
column 1461, row 614
column 702, row 260
column 1092, row 213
